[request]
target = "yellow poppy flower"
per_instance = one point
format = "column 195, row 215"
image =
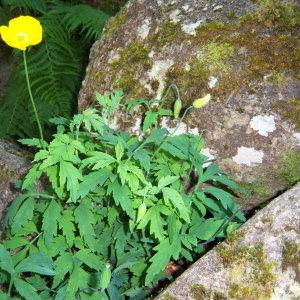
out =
column 22, row 32
column 198, row 103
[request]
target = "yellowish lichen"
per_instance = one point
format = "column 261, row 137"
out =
column 259, row 189
column 100, row 77
column 290, row 167
column 289, row 110
column 260, row 278
column 6, row 174
column 169, row 297
column 209, row 26
column 168, row 32
column 291, row 258
column 199, row 292
column 215, row 56
column 116, row 22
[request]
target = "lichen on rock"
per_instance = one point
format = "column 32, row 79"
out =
column 260, row 261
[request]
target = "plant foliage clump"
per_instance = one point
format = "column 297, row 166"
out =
column 117, row 209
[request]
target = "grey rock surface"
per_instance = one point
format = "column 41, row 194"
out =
column 244, row 53
column 14, row 163
column 260, row 261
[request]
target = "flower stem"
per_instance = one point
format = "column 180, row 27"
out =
column 173, row 132
column 31, row 98
column 10, row 285
column 172, row 86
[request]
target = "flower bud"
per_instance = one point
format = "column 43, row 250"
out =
column 141, row 212
column 198, row 103
column 105, row 277
column 177, row 108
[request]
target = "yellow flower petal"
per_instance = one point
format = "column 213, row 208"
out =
column 8, row 37
column 22, row 32
column 198, row 103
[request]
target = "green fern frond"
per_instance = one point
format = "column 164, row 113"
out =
column 55, row 66
column 39, row 6
column 89, row 21
column 55, row 71
column 4, row 14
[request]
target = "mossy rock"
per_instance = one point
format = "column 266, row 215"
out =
column 244, row 53
column 260, row 261
column 14, row 163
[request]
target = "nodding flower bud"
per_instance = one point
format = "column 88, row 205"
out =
column 177, row 108
column 105, row 277
column 141, row 212
column 198, row 103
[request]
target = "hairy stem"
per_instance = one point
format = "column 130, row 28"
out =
column 32, row 102
column 172, row 86
column 10, row 285
column 167, row 138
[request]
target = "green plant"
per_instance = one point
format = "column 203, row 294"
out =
column 55, row 67
column 117, row 209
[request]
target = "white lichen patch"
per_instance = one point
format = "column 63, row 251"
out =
column 182, row 128
column 143, row 31
column 190, row 28
column 151, row 54
column 113, row 55
column 158, row 72
column 296, row 135
column 175, row 16
column 212, row 81
column 187, row 67
column 217, row 7
column 137, row 126
column 186, row 7
column 248, row 156
column 194, row 131
column 263, row 124
column 209, row 155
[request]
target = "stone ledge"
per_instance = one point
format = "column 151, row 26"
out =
column 14, row 163
column 260, row 261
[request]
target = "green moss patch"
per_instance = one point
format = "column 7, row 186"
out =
column 258, row 188
column 199, row 292
column 133, row 59
column 168, row 32
column 290, row 167
column 291, row 258
column 286, row 15
column 289, row 110
column 116, row 22
column 258, row 283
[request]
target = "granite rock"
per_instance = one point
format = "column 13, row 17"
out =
column 244, row 53
column 260, row 261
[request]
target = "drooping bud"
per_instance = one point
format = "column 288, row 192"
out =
column 198, row 103
column 105, row 277
column 177, row 108
column 141, row 212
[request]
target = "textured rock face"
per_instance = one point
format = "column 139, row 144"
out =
column 244, row 53
column 260, row 261
column 13, row 165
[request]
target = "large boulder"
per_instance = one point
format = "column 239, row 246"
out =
column 244, row 53
column 260, row 261
column 14, row 163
